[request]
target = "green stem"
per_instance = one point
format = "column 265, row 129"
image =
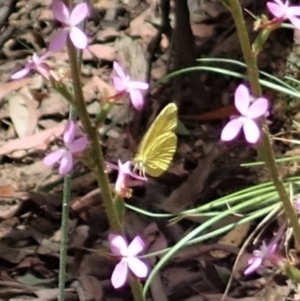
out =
column 64, row 227
column 64, row 238
column 265, row 149
column 136, row 288
column 97, row 155
column 94, row 139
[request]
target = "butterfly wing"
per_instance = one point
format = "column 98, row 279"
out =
column 158, row 156
column 165, row 122
column 158, row 146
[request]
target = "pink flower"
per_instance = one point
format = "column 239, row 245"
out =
column 69, row 22
column 36, row 63
column 283, row 11
column 297, row 205
column 123, row 83
column 265, row 252
column 247, row 120
column 122, row 180
column 119, row 247
column 72, row 147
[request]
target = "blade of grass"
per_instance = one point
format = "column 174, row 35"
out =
column 263, row 82
column 189, row 237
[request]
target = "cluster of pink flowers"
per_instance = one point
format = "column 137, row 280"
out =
column 69, row 22
column 251, row 110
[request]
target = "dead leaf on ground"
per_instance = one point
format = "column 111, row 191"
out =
column 154, row 240
column 8, row 209
column 88, row 288
column 99, row 51
column 97, row 85
column 137, row 23
column 8, row 87
column 14, row 255
column 188, row 192
column 23, row 112
column 54, row 104
column 7, row 191
column 157, row 289
column 40, row 140
column 234, row 238
column 176, row 276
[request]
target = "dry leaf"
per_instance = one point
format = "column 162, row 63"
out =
column 88, row 288
column 101, row 52
column 9, row 87
column 233, row 238
column 23, row 112
column 55, row 103
column 36, row 141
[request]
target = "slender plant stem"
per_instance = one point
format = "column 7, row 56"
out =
column 64, row 227
column 64, row 224
column 91, row 131
column 136, row 288
column 97, row 155
column 265, row 149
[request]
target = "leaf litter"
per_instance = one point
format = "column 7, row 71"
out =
column 32, row 122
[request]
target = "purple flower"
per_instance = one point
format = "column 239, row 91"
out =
column 122, row 83
column 72, row 147
column 36, row 63
column 69, row 22
column 122, row 180
column 129, row 259
column 297, row 205
column 283, row 11
column 265, row 252
column 247, row 120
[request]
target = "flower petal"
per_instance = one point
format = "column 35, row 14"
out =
column 119, row 70
column 295, row 21
column 293, row 11
column 21, row 73
column 138, row 85
column 251, row 131
column 117, row 244
column 54, row 157
column 272, row 248
column 119, row 83
column 78, row 38
column 136, row 246
column 78, row 14
column 58, row 40
column 255, row 263
column 66, row 163
column 121, row 183
column 60, row 11
column 242, row 99
column 69, row 132
column 258, row 108
column 43, row 70
column 78, row 145
column 138, row 267
column 276, row 10
column 231, row 129
column 119, row 274
column 137, row 99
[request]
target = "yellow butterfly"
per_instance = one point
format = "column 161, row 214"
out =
column 158, row 145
